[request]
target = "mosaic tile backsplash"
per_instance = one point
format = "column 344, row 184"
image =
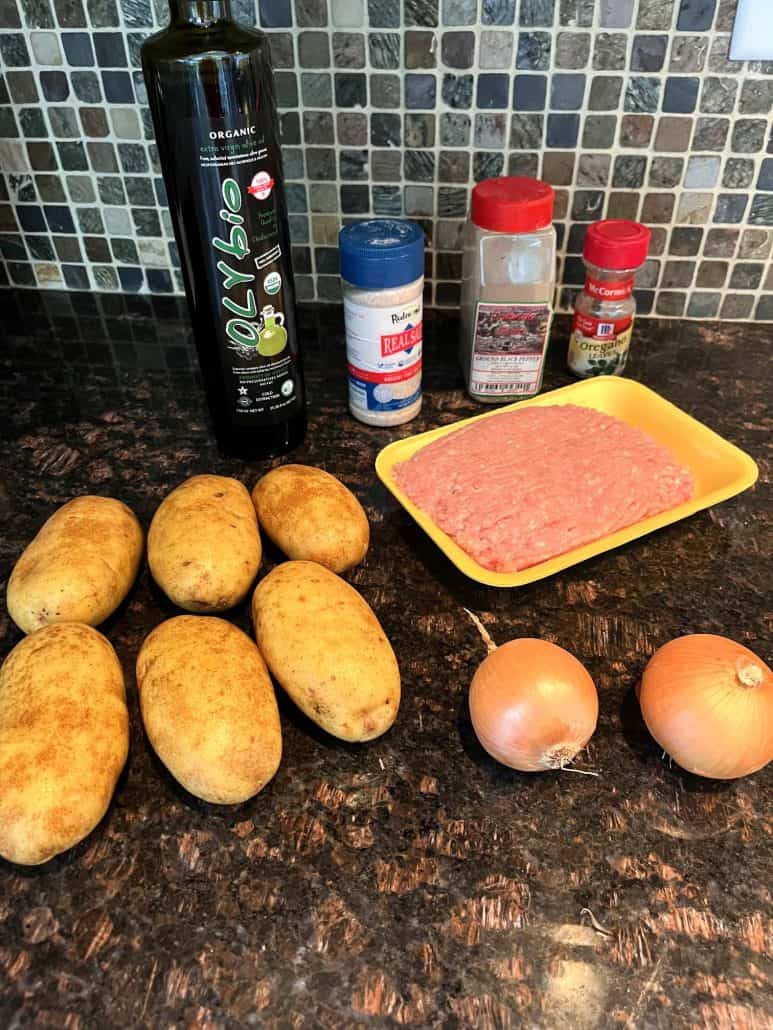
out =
column 397, row 107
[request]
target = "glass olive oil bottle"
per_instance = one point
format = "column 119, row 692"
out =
column 211, row 94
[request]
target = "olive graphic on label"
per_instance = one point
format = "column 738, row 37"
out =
column 273, row 336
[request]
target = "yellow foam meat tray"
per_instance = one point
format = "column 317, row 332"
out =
column 720, row 469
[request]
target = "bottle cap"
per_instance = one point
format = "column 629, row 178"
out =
column 381, row 253
column 512, row 203
column 616, row 243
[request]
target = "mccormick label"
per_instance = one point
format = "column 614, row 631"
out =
column 509, row 344
column 238, row 204
column 599, row 346
column 384, row 355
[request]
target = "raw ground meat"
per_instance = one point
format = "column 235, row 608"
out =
column 527, row 485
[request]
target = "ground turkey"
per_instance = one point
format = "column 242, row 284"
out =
column 526, row 485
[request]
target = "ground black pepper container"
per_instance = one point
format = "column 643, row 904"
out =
column 211, row 94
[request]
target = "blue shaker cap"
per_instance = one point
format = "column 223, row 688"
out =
column 381, row 252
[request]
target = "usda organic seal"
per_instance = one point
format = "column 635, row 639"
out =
column 272, row 283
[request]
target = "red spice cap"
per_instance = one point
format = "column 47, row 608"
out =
column 616, row 243
column 512, row 203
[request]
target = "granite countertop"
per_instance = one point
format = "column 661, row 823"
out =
column 411, row 881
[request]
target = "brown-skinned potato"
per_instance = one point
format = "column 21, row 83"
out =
column 326, row 648
column 311, row 516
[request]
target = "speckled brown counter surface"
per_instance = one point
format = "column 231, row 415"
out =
column 410, row 881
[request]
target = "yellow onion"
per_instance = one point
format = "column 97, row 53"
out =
column 533, row 705
column 708, row 702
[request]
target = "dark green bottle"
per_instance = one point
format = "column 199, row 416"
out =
column 211, row 94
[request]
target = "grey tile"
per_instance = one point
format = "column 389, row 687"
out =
column 536, row 12
column 292, row 162
column 490, row 131
column 736, row 305
column 458, row 49
column 385, row 91
column 670, row 303
column 694, row 208
column 746, row 275
column 702, row 172
column 764, row 310
column 385, row 130
column 384, row 48
column 526, row 131
column 419, row 200
column 386, row 165
column 21, row 85
column 454, row 166
column 629, row 171
column 593, row 169
column 673, row 134
column 419, row 166
column 718, row 56
column 718, row 95
column 352, row 128
column 654, row 14
column 318, row 127
column 452, row 202
column 688, row 53
column 320, row 163
column 572, row 49
column 756, row 96
column 420, row 12
column 738, row 173
column 721, row 243
column 533, row 53
column 419, row 130
column 730, row 208
column 599, row 131
column 316, row 89
column 530, row 92
column 323, row 197
column 761, row 212
column 348, row 50
column 609, row 51
column 685, row 241
column 558, row 167
column 680, row 94
column 765, row 180
column 648, row 53
column 383, row 14
column 642, row 93
column 587, row 205
column 496, row 49
column 353, row 164
column 497, row 12
column 420, row 91
column 605, row 92
column 710, row 133
column 103, row 14
column 566, row 91
column 575, row 13
column 748, row 135
column 677, row 274
column 695, row 15
column 657, row 208
column 387, row 201
column 562, row 131
column 454, row 129
column 313, row 49
column 456, row 90
column 616, row 14
column 37, row 14
column 703, row 305
column 14, row 52
column 419, row 49
column 310, row 13
column 459, row 12
column 487, row 165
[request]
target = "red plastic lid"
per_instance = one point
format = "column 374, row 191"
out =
column 616, row 243
column 512, row 203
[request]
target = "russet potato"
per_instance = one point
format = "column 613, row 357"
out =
column 64, row 738
column 79, row 567
column 326, row 648
column 204, row 547
column 209, row 708
column 310, row 515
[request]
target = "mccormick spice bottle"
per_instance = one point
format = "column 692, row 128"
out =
column 508, row 280
column 603, row 313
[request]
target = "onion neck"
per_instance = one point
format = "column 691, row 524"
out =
column 748, row 673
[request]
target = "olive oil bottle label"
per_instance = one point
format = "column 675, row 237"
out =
column 237, row 198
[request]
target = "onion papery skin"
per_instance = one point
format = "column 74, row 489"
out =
column 697, row 707
column 533, row 705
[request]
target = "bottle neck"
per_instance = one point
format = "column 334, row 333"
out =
column 199, row 12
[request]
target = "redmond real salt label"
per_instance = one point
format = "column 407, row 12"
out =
column 384, row 355
column 509, row 344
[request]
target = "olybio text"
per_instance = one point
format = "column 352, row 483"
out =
column 239, row 329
